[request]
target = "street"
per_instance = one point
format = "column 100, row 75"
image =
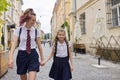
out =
column 83, row 69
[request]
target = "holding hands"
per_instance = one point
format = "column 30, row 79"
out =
column 42, row 63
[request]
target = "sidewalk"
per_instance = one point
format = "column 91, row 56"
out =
column 86, row 71
column 94, row 60
column 83, row 69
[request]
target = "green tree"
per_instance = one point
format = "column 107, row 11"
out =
column 66, row 24
column 4, row 4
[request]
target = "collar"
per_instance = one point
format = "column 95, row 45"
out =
column 61, row 43
column 25, row 28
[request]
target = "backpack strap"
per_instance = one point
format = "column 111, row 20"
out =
column 67, row 49
column 35, row 34
column 55, row 50
column 19, row 36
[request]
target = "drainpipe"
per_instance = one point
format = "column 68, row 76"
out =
column 64, row 12
column 75, row 11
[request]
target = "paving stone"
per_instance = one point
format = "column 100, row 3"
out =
column 83, row 69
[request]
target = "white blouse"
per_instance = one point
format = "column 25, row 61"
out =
column 23, row 37
column 62, row 49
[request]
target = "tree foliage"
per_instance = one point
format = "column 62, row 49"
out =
column 4, row 4
column 66, row 24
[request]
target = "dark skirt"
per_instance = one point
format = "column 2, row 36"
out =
column 60, row 69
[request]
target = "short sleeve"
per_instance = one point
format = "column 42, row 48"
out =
column 69, row 44
column 16, row 32
column 38, row 33
column 53, row 46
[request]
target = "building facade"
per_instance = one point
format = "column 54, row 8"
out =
column 11, row 21
column 89, row 13
column 60, row 15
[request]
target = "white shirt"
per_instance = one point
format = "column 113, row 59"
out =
column 62, row 49
column 23, row 37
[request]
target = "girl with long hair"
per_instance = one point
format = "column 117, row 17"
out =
column 27, row 58
column 61, row 53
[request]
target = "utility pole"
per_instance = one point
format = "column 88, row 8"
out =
column 75, row 11
column 64, row 11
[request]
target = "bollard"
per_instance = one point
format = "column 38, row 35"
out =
column 98, row 60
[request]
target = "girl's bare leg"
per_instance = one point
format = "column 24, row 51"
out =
column 32, row 75
column 23, row 77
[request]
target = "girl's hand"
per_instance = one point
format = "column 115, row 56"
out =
column 71, row 67
column 10, row 63
column 42, row 63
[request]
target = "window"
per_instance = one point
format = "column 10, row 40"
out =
column 114, row 2
column 115, row 13
column 119, row 15
column 114, row 17
column 82, row 23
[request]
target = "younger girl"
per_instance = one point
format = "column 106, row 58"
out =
column 61, row 53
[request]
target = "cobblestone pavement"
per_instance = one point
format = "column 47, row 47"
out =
column 83, row 69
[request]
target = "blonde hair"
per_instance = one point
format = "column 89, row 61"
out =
column 56, row 38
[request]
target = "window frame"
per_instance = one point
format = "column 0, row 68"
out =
column 117, row 7
column 82, row 19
